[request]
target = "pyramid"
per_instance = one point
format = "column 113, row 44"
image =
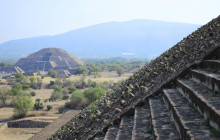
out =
column 48, row 58
column 45, row 59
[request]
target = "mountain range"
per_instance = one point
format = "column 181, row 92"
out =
column 135, row 38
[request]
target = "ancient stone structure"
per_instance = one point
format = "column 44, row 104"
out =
column 176, row 96
column 45, row 59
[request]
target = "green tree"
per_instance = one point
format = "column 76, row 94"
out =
column 120, row 71
column 57, row 88
column 56, row 95
column 77, row 98
column 25, row 87
column 15, row 92
column 22, row 105
column 19, row 77
column 81, row 70
column 38, row 104
column 4, row 95
column 52, row 73
column 93, row 94
column 17, row 86
column 71, row 89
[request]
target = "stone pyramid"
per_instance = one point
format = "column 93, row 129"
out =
column 48, row 58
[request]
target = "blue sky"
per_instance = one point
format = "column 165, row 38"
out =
column 28, row 18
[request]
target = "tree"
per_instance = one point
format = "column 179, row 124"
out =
column 4, row 95
column 52, row 73
column 77, row 98
column 71, row 89
column 38, row 104
column 57, row 87
column 56, row 95
column 19, row 77
column 25, row 87
column 120, row 71
column 81, row 70
column 93, row 94
column 22, row 105
column 17, row 86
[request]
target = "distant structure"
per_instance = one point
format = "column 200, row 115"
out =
column 45, row 59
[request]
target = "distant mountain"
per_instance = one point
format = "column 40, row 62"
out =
column 136, row 38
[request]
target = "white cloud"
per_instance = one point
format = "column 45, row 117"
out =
column 127, row 53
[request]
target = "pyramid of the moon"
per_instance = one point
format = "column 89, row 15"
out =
column 45, row 59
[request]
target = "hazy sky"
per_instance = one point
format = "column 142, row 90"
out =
column 28, row 18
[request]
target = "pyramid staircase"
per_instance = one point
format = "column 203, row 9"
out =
column 186, row 108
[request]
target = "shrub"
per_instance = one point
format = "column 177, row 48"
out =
column 15, row 91
column 4, row 95
column 33, row 93
column 17, row 86
column 93, row 94
column 56, row 95
column 57, row 87
column 65, row 97
column 25, row 87
column 22, row 105
column 49, row 107
column 52, row 73
column 77, row 98
column 38, row 105
column 61, row 109
column 71, row 89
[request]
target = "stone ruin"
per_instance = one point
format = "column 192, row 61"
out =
column 45, row 59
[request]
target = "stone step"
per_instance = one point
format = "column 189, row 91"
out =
column 125, row 128
column 111, row 133
column 207, row 78
column 213, row 65
column 163, row 125
column 142, row 128
column 99, row 137
column 187, row 119
column 204, row 99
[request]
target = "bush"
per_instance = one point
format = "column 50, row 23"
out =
column 56, row 95
column 25, row 87
column 33, row 93
column 57, row 87
column 49, row 107
column 93, row 94
column 71, row 89
column 61, row 109
column 22, row 105
column 52, row 73
column 65, row 97
column 17, row 86
column 77, row 99
column 4, row 95
column 38, row 105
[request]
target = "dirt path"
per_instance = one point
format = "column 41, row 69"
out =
column 54, row 126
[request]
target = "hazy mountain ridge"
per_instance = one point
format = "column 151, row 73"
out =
column 143, row 38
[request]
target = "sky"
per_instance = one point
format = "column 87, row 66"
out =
column 29, row 18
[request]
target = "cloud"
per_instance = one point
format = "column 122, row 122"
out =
column 127, row 53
